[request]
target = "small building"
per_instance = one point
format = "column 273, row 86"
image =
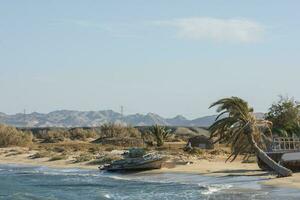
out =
column 200, row 141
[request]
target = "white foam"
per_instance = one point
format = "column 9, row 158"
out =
column 210, row 189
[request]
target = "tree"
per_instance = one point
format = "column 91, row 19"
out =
column 285, row 116
column 237, row 125
column 160, row 134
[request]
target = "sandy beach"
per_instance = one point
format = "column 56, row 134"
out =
column 216, row 167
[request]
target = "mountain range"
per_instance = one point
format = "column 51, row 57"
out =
column 72, row 118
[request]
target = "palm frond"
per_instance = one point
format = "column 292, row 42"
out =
column 230, row 129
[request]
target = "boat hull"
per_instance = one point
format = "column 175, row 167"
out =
column 277, row 157
column 146, row 165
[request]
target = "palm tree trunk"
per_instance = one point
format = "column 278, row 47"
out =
column 280, row 170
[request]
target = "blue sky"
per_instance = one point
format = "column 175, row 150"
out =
column 169, row 57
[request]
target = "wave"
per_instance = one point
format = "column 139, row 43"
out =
column 210, row 189
column 107, row 196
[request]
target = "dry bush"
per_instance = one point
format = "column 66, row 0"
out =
column 118, row 135
column 10, row 136
column 81, row 134
column 116, row 130
column 53, row 136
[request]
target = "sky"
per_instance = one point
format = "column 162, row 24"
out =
column 168, row 57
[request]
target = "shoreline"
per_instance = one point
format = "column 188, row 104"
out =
column 217, row 168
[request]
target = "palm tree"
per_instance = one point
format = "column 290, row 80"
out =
column 237, row 125
column 160, row 134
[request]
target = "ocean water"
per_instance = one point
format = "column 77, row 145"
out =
column 42, row 183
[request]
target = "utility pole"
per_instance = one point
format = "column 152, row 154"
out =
column 25, row 117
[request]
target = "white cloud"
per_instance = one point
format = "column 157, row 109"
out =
column 204, row 28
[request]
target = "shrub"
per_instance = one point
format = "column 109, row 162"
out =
column 285, row 117
column 10, row 136
column 53, row 136
column 81, row 134
column 160, row 134
column 116, row 130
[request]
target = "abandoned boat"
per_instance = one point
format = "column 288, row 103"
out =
column 136, row 161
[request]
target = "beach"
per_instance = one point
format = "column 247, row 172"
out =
column 215, row 168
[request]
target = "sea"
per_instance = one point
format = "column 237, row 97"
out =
column 43, row 183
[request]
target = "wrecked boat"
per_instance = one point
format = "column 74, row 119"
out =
column 136, row 160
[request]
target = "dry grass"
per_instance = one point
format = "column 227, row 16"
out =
column 60, row 135
column 58, row 157
column 196, row 151
column 14, row 153
column 41, row 154
column 10, row 136
column 70, row 146
column 84, row 157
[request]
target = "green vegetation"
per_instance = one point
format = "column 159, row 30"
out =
column 160, row 133
column 239, row 128
column 285, row 116
column 10, row 136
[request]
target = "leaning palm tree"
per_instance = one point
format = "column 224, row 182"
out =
column 160, row 134
column 237, row 125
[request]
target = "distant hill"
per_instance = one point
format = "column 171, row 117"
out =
column 71, row 118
